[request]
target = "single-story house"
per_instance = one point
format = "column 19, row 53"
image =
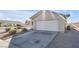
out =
column 49, row 21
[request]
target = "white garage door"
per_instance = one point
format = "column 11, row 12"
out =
column 47, row 25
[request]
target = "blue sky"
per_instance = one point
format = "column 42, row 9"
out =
column 22, row 15
column 16, row 15
column 74, row 14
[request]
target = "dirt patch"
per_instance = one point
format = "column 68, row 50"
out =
column 5, row 36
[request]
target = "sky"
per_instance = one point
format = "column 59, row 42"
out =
column 23, row 15
column 74, row 14
column 16, row 15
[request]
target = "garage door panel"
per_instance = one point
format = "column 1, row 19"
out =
column 47, row 25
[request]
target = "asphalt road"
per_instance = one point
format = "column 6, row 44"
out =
column 69, row 39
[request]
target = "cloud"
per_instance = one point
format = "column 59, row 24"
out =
column 17, row 15
column 22, row 15
column 74, row 14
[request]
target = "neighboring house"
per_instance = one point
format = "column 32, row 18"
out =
column 49, row 21
column 10, row 23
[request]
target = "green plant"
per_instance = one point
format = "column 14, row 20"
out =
column 12, row 32
column 19, row 26
column 24, row 29
column 8, row 29
column 68, row 27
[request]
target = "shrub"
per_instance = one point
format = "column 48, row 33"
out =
column 68, row 27
column 18, row 27
column 12, row 32
column 8, row 29
column 24, row 29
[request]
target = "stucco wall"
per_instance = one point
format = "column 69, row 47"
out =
column 40, row 17
column 62, row 24
column 50, row 16
column 51, row 25
column 47, row 16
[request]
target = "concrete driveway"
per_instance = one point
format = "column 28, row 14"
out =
column 69, row 39
column 37, row 39
column 33, row 39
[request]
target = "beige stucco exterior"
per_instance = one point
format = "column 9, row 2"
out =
column 48, row 16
